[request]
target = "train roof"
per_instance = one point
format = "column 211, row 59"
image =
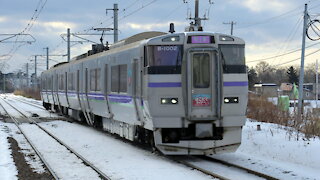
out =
column 137, row 37
column 149, row 38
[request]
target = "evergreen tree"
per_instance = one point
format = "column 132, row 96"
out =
column 293, row 75
column 252, row 77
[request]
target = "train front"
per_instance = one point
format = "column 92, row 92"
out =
column 196, row 87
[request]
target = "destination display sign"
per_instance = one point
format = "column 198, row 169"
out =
column 200, row 39
column 201, row 100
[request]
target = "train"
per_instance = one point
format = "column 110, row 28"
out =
column 184, row 93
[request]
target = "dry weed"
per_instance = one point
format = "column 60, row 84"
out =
column 260, row 109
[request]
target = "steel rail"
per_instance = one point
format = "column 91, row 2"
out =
column 240, row 167
column 213, row 174
column 17, row 123
column 30, row 103
column 86, row 162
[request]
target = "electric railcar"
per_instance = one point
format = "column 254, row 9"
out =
column 184, row 92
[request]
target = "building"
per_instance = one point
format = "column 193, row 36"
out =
column 266, row 89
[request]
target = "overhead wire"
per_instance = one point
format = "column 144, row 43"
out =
column 287, row 62
column 290, row 52
column 28, row 27
column 290, row 38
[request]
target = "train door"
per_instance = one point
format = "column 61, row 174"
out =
column 106, row 89
column 46, row 85
column 57, row 90
column 203, row 85
column 78, row 88
column 86, row 102
column 66, row 88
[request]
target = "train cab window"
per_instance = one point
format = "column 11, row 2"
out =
column 233, row 58
column 201, row 70
column 165, row 59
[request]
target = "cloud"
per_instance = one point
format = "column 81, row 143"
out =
column 58, row 25
column 151, row 26
column 263, row 5
column 3, row 19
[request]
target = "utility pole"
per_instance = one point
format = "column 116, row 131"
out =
column 300, row 110
column 196, row 25
column 231, row 23
column 27, row 70
column 35, row 70
column 68, row 43
column 317, row 82
column 47, row 48
column 4, row 83
column 115, row 22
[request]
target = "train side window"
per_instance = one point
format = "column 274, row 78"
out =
column 49, row 82
column 71, row 81
column 92, row 79
column 43, row 83
column 115, row 78
column 61, row 82
column 123, row 78
column 145, row 62
column 98, row 76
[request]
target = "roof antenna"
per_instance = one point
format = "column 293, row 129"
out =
column 171, row 30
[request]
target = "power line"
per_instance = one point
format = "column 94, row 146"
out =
column 290, row 52
column 32, row 20
column 109, row 19
column 298, row 58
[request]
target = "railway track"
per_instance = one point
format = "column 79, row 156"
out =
column 101, row 174
column 29, row 103
column 200, row 163
column 221, row 169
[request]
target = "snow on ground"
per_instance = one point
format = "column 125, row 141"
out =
column 29, row 109
column 30, row 156
column 275, row 151
column 117, row 158
column 65, row 164
column 8, row 170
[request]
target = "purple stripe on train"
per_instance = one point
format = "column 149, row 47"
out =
column 119, row 98
column 239, row 83
column 164, row 84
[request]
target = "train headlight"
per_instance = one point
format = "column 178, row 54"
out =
column 169, row 101
column 171, row 39
column 174, row 101
column 233, row 100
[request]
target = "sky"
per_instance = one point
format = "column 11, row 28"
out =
column 269, row 27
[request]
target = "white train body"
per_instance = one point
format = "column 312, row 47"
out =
column 186, row 90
